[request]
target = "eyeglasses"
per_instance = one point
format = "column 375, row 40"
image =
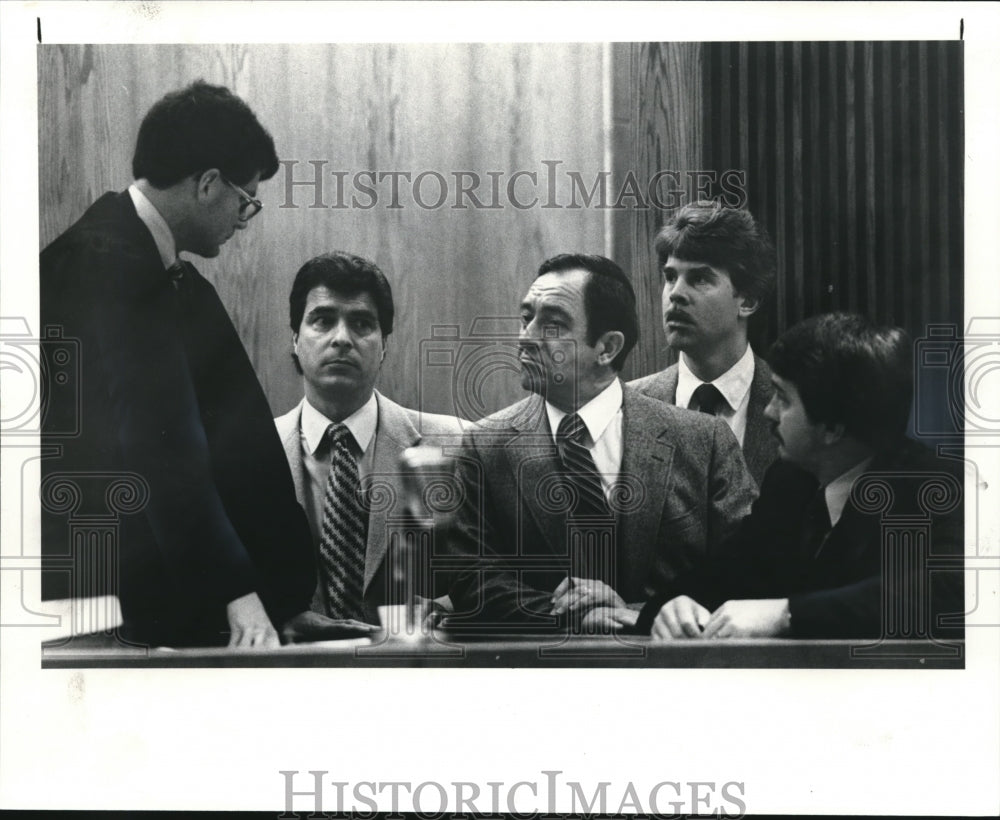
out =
column 249, row 206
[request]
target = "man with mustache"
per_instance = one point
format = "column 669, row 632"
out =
column 169, row 404
column 344, row 436
column 809, row 561
column 718, row 270
column 586, row 496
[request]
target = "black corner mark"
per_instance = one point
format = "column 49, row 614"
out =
column 961, row 29
column 39, row 21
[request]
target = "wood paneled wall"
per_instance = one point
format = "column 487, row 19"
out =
column 852, row 156
column 383, row 108
column 658, row 105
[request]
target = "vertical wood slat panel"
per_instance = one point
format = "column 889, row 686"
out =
column 868, row 85
column 797, row 199
column 666, row 112
column 831, row 188
column 852, row 268
column 780, row 187
column 441, row 108
column 890, row 192
column 853, row 151
column 905, row 227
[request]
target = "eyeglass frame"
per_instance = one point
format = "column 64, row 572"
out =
column 258, row 206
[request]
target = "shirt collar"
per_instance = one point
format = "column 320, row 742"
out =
column 596, row 414
column 838, row 491
column 362, row 423
column 734, row 384
column 158, row 227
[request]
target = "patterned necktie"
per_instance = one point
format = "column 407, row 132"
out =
column 580, row 469
column 707, row 399
column 344, row 531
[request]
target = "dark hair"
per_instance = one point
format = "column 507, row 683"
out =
column 346, row 274
column 608, row 298
column 726, row 238
column 850, row 371
column 200, row 127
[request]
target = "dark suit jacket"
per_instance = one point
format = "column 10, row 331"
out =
column 838, row 593
column 398, row 428
column 686, row 488
column 760, row 448
column 168, row 397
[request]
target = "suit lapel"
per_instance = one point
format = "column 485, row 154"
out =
column 646, row 460
column 292, row 442
column 395, row 432
column 758, row 443
column 670, row 383
column 532, row 457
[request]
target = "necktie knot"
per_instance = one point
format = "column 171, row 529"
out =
column 572, row 428
column 175, row 273
column 707, row 399
column 339, row 435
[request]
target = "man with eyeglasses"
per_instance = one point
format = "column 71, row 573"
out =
column 168, row 401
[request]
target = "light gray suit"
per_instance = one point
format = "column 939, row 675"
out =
column 687, row 490
column 760, row 447
column 398, row 428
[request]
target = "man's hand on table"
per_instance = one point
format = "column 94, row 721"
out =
column 683, row 617
column 431, row 611
column 750, row 619
column 604, row 620
column 249, row 625
column 680, row 617
column 581, row 594
column 312, row 626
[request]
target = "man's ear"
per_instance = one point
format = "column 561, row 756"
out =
column 609, row 345
column 295, row 342
column 748, row 306
column 385, row 346
column 833, row 433
column 206, row 182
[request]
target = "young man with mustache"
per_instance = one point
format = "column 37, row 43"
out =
column 718, row 269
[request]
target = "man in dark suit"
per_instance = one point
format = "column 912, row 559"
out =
column 169, row 401
column 718, row 268
column 838, row 542
column 341, row 314
column 587, row 496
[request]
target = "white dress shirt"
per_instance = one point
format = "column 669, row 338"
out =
column 158, row 227
column 734, row 385
column 316, row 455
column 602, row 416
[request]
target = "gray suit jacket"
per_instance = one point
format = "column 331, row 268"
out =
column 685, row 488
column 398, row 428
column 760, row 448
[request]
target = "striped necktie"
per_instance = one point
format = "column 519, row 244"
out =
column 579, row 468
column 344, row 531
